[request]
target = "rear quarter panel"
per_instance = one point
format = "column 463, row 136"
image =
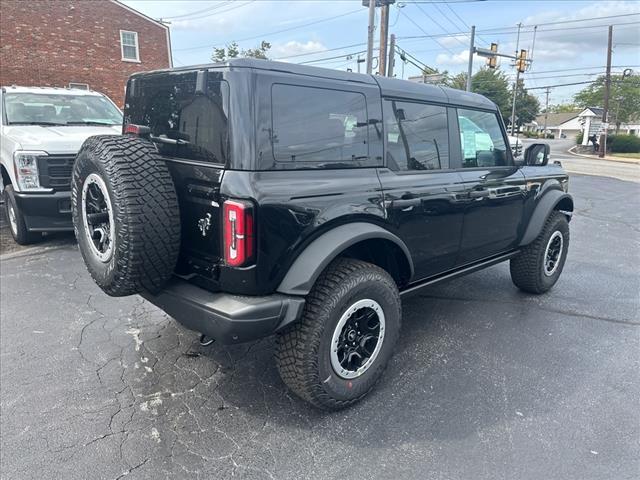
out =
column 294, row 208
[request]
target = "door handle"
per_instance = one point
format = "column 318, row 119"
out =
column 479, row 193
column 406, row 204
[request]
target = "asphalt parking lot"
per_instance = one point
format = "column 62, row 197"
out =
column 487, row 382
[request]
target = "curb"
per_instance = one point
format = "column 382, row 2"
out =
column 615, row 160
column 31, row 251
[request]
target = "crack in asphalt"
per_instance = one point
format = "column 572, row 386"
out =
column 569, row 313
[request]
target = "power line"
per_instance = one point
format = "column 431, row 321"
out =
column 512, row 30
column 327, row 19
column 321, row 51
column 218, row 12
column 441, row 27
column 427, row 35
column 197, row 12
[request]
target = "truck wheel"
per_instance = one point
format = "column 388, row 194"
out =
column 538, row 266
column 337, row 352
column 125, row 214
column 15, row 217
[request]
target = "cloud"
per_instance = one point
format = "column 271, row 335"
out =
column 283, row 50
column 454, row 40
column 461, row 58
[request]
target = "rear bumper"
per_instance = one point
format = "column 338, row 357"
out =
column 224, row 317
column 45, row 212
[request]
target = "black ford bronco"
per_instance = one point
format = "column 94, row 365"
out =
column 254, row 198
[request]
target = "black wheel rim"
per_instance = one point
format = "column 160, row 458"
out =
column 97, row 216
column 357, row 338
column 553, row 253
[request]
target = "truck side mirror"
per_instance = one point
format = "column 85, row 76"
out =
column 537, row 155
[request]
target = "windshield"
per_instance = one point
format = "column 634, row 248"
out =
column 54, row 109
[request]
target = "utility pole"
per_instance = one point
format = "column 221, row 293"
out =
column 515, row 87
column 384, row 34
column 471, row 52
column 546, row 112
column 607, row 90
column 372, row 27
column 392, row 55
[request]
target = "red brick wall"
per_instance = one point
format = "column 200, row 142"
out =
column 54, row 42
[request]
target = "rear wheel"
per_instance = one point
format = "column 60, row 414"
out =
column 17, row 225
column 337, row 352
column 125, row 214
column 538, row 266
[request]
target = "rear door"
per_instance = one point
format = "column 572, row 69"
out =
column 423, row 195
column 187, row 113
column 494, row 187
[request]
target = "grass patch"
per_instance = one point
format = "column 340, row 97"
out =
column 635, row 156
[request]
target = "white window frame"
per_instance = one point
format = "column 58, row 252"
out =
column 137, row 45
column 77, row 85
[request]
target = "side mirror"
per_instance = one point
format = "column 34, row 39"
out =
column 537, row 155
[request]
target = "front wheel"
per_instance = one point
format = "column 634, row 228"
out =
column 538, row 266
column 337, row 352
column 17, row 225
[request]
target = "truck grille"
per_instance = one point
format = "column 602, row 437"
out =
column 55, row 171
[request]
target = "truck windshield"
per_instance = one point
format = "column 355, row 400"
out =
column 22, row 108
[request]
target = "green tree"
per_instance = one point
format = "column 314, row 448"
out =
column 233, row 51
column 493, row 84
column 527, row 105
column 624, row 99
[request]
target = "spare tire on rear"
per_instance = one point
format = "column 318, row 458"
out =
column 125, row 214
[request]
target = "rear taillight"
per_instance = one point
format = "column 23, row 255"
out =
column 136, row 130
column 238, row 231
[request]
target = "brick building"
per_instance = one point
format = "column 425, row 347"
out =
column 89, row 43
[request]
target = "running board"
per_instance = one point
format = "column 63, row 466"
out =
column 414, row 287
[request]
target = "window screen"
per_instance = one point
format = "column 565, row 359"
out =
column 316, row 127
column 417, row 136
column 481, row 138
column 129, row 42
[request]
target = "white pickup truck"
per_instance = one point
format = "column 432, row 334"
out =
column 41, row 131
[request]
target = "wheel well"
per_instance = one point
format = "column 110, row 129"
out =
column 566, row 206
column 6, row 180
column 385, row 254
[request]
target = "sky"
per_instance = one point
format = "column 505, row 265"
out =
column 570, row 38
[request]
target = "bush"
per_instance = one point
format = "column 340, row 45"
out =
column 579, row 138
column 623, row 143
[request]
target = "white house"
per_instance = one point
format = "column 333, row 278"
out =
column 564, row 123
column 591, row 121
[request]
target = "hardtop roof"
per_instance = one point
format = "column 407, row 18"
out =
column 392, row 87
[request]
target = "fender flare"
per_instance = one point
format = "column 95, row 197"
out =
column 545, row 206
column 306, row 269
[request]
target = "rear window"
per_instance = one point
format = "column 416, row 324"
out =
column 189, row 114
column 318, row 128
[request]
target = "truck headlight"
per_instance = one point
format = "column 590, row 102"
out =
column 26, row 169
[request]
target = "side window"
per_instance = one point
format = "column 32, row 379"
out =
column 417, row 136
column 318, row 128
column 481, row 138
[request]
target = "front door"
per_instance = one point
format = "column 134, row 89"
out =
column 494, row 188
column 423, row 196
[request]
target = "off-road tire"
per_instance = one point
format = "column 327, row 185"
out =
column 145, row 210
column 303, row 349
column 527, row 268
column 19, row 232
